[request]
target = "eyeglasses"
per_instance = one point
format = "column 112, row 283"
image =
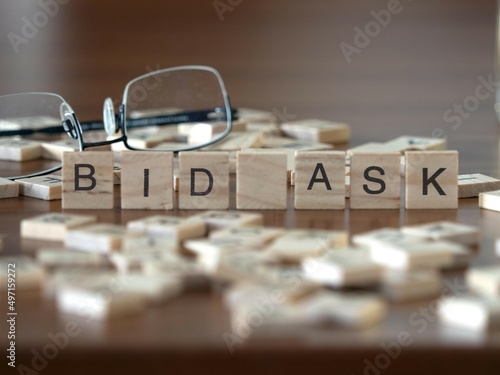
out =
column 175, row 109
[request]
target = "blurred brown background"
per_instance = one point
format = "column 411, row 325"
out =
column 272, row 55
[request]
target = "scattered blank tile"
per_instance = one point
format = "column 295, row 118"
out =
column 382, row 236
column 474, row 313
column 8, row 188
column 297, row 244
column 97, row 303
column 406, row 286
column 412, row 143
column 431, row 179
column 319, row 180
column 27, row 274
column 435, row 254
column 146, row 180
column 54, row 150
column 53, row 226
column 261, row 181
column 156, row 289
column 490, row 200
column 99, row 238
column 150, row 242
column 353, row 310
column 227, row 219
column 470, row 185
column 375, row 181
column 256, row 115
column 46, row 187
column 57, row 258
column 317, row 130
column 344, row 267
column 203, row 180
column 17, row 149
column 126, row 262
column 238, row 141
column 445, row 230
column 91, row 190
column 260, row 236
column 484, row 280
column 177, row 228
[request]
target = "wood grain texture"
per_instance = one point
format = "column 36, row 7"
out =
column 261, row 181
column 375, row 180
column 431, row 179
column 320, row 180
column 203, row 180
column 80, row 193
column 146, row 180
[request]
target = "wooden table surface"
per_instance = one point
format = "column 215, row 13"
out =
column 284, row 57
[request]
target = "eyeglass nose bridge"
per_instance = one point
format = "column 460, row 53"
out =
column 69, row 121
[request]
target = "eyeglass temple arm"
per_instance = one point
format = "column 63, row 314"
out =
column 194, row 116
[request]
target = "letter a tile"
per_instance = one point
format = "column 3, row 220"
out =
column 146, row 180
column 204, row 180
column 431, row 179
column 87, row 180
column 320, row 180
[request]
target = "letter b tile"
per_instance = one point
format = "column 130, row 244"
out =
column 87, row 180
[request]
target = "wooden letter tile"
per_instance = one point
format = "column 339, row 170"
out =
column 470, row 185
column 375, row 180
column 87, row 180
column 17, row 149
column 203, row 180
column 484, row 281
column 320, row 180
column 177, row 228
column 317, row 130
column 261, row 181
column 8, row 188
column 146, row 180
column 431, row 179
column 227, row 219
column 445, row 230
column 98, row 238
column 46, row 187
column 53, row 226
column 490, row 200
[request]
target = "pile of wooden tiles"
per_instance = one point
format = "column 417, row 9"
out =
column 282, row 277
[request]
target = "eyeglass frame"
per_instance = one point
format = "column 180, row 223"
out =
column 73, row 127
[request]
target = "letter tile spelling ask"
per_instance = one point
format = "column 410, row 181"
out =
column 375, row 180
column 46, row 187
column 87, row 180
column 320, row 180
column 431, row 179
column 203, row 180
column 8, row 188
column 261, row 181
column 146, row 180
